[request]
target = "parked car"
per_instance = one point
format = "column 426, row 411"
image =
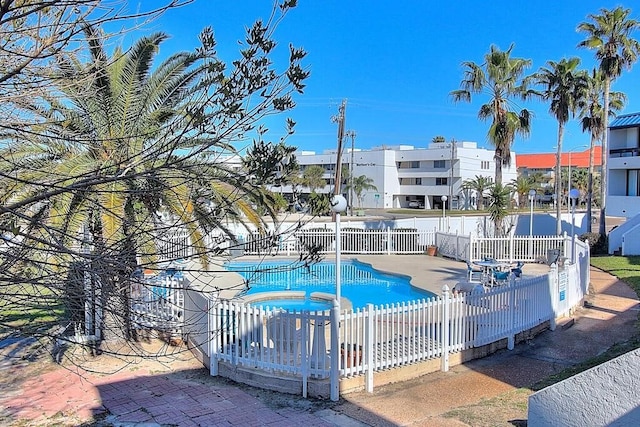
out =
column 415, row 204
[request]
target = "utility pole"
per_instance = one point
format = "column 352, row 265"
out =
column 340, row 119
column 352, row 135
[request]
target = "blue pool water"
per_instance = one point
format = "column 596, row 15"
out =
column 360, row 283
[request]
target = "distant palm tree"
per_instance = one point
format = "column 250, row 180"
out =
column 609, row 34
column 360, row 184
column 479, row 184
column 502, row 78
column 521, row 186
column 564, row 85
column 591, row 114
column 312, row 178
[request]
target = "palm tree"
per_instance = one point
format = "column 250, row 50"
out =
column 591, row 115
column 502, row 77
column 564, row 85
column 499, row 197
column 105, row 160
column 521, row 186
column 360, row 184
column 609, row 35
column 312, row 178
column 479, row 184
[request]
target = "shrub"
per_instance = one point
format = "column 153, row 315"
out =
column 598, row 243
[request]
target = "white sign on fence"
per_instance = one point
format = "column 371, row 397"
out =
column 563, row 280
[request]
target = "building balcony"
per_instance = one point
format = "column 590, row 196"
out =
column 629, row 162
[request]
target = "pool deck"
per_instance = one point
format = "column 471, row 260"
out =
column 428, row 272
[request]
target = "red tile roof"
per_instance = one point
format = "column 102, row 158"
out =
column 579, row 159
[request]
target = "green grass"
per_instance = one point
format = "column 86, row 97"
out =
column 28, row 307
column 626, row 268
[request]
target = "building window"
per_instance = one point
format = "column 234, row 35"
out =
column 484, row 165
column 415, row 165
column 633, row 183
column 410, row 181
column 441, row 181
column 439, row 164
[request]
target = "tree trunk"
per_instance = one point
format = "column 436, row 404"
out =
column 558, row 179
column 605, row 155
column 590, row 182
column 498, row 158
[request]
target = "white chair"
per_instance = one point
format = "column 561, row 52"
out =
column 475, row 275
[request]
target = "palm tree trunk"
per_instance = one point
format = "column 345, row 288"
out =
column 558, row 180
column 590, row 182
column 605, row 155
column 498, row 159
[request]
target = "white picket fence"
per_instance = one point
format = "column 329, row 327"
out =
column 507, row 249
column 158, row 303
column 175, row 244
column 377, row 338
column 309, row 345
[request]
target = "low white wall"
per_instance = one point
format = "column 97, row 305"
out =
column 606, row 395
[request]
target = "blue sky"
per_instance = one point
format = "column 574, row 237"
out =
column 396, row 64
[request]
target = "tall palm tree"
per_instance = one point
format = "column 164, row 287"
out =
column 563, row 86
column 591, row 118
column 502, row 78
column 479, row 184
column 609, row 35
column 360, row 184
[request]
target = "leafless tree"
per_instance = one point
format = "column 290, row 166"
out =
column 106, row 159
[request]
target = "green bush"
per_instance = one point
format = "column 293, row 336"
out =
column 598, row 243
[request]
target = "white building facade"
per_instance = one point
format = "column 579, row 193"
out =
column 406, row 176
column 623, row 189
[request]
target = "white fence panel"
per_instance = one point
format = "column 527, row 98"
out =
column 274, row 340
column 158, row 304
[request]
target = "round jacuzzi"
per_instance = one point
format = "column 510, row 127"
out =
column 294, row 300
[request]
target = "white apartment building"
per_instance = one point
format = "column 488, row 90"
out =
column 623, row 189
column 406, row 176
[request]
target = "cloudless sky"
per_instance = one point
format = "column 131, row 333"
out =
column 396, row 62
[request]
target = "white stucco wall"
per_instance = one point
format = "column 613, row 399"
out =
column 606, row 395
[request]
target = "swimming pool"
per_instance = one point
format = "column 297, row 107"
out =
column 360, row 282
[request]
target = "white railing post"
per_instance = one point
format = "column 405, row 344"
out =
column 512, row 312
column 553, row 285
column 304, row 345
column 511, row 247
column 444, row 338
column 335, row 353
column 368, row 346
column 389, row 241
column 214, row 337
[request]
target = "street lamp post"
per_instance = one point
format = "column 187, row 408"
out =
column 444, row 203
column 532, row 195
column 574, row 194
column 338, row 205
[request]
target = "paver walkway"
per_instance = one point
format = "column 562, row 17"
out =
column 150, row 394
